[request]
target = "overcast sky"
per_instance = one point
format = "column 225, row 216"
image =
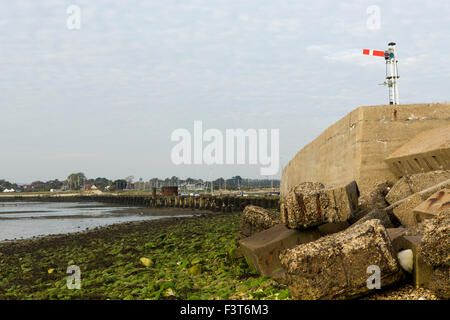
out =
column 105, row 98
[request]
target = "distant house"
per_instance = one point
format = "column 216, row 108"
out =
column 94, row 187
column 9, row 190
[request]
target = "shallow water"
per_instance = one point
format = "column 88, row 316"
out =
column 21, row 220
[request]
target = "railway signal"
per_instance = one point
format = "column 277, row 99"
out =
column 390, row 56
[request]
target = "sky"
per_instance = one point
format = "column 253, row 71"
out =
column 104, row 98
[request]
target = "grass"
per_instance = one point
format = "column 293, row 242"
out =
column 187, row 259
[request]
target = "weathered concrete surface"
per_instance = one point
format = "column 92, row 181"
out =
column 414, row 183
column 435, row 245
column 312, row 204
column 422, row 271
column 354, row 148
column 335, row 266
column 404, row 212
column 435, row 250
column 431, row 207
column 377, row 214
column 403, row 209
column 427, row 151
column 375, row 198
column 256, row 219
column 262, row 249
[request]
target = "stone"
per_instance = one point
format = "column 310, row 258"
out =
column 436, row 203
column 146, row 262
column 336, row 266
column 413, row 183
column 421, row 270
column 195, row 270
column 256, row 219
column 427, row 151
column 312, row 204
column 375, row 198
column 262, row 249
column 406, row 259
column 330, row 228
column 377, row 214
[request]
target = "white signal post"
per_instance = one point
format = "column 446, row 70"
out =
column 390, row 55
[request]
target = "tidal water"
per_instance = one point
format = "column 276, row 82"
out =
column 22, row 220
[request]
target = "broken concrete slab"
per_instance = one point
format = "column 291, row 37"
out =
column 256, row 219
column 404, row 212
column 377, row 214
column 336, row 266
column 427, row 151
column 403, row 209
column 431, row 207
column 312, row 204
column 414, row 183
column 262, row 249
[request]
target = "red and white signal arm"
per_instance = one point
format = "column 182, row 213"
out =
column 376, row 53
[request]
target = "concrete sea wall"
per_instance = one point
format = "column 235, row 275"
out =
column 355, row 147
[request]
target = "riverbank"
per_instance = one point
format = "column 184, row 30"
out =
column 188, row 258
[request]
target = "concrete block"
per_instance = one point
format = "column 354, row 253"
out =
column 256, row 219
column 312, row 204
column 427, row 151
column 262, row 249
column 404, row 212
column 403, row 209
column 336, row 266
column 414, row 183
column 431, row 207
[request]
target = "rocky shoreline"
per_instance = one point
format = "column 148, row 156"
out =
column 188, row 258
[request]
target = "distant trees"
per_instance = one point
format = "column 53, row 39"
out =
column 76, row 181
column 7, row 185
column 120, row 184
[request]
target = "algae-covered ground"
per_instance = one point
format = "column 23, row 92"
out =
column 184, row 258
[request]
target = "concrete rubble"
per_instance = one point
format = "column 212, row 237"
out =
column 400, row 222
column 414, row 183
column 262, row 249
column 256, row 219
column 311, row 204
column 431, row 207
column 336, row 266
